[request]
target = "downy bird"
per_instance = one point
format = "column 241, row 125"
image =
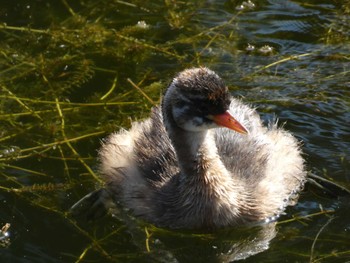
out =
column 203, row 159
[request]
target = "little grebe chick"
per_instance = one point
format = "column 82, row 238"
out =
column 202, row 160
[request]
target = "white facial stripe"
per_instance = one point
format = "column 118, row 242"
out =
column 197, row 124
column 190, row 97
column 183, row 97
column 194, row 124
column 177, row 111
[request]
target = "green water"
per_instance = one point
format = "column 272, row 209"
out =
column 68, row 73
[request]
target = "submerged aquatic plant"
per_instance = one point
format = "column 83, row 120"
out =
column 51, row 90
column 72, row 72
column 48, row 77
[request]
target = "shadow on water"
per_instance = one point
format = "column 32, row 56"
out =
column 70, row 73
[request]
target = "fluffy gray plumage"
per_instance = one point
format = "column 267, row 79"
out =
column 178, row 169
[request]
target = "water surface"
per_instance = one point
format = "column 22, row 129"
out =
column 66, row 73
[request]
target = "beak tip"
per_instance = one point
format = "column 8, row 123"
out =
column 228, row 121
column 242, row 130
column 245, row 131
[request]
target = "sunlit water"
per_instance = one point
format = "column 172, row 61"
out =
column 309, row 92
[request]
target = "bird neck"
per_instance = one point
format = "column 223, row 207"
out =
column 196, row 152
column 204, row 182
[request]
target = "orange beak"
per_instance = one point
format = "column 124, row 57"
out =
column 228, row 121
